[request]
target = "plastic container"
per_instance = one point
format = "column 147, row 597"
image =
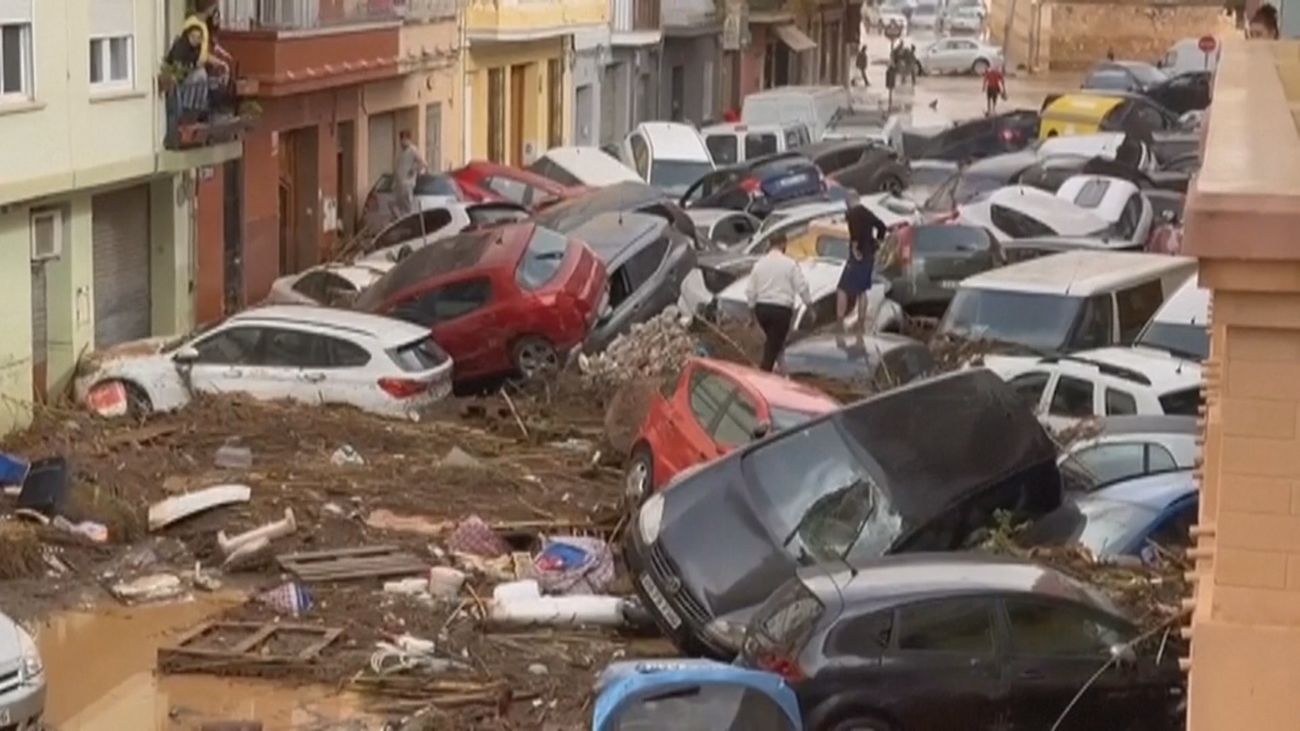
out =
column 522, row 603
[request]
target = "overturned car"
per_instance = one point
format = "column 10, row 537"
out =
column 920, row 468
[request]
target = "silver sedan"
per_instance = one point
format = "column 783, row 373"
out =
column 958, row 55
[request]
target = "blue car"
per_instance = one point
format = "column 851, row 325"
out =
column 1128, row 518
column 692, row 695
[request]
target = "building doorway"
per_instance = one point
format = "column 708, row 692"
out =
column 518, row 99
column 299, row 243
column 346, row 171
column 677, row 93
column 233, row 227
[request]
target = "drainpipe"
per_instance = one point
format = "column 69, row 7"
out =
column 466, row 91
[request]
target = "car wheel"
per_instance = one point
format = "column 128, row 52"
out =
column 639, row 480
column 891, row 184
column 859, row 723
column 138, row 404
column 533, row 357
column 979, row 67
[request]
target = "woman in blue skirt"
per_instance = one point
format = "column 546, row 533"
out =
column 865, row 231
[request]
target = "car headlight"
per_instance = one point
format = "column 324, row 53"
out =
column 650, row 518
column 725, row 633
column 31, row 668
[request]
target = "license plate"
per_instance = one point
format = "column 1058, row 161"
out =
column 656, row 598
column 948, row 283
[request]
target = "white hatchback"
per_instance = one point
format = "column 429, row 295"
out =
column 313, row 355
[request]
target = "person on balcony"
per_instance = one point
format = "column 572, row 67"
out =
column 203, row 76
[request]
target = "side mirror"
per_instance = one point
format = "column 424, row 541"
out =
column 762, row 429
column 1123, row 655
column 186, row 356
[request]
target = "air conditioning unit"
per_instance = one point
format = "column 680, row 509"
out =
column 47, row 235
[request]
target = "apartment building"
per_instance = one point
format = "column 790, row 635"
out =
column 97, row 216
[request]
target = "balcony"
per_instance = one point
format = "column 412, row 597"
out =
column 697, row 14
column 285, row 47
column 634, row 16
column 523, row 20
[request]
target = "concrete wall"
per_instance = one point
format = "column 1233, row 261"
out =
column 1080, row 33
column 587, row 72
column 1016, row 45
column 431, row 58
column 699, row 57
column 73, row 125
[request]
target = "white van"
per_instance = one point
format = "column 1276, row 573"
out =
column 668, row 155
column 1186, row 55
column 736, row 142
column 1181, row 325
column 814, row 106
column 1076, row 300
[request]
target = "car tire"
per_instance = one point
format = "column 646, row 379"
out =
column 859, row 723
column 639, row 480
column 888, row 183
column 979, row 67
column 138, row 403
column 533, row 357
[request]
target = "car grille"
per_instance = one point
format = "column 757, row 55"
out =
column 8, row 681
column 663, row 570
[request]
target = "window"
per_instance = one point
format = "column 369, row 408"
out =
column 792, row 138
column 864, row 636
column 1042, row 629
column 413, row 227
column 722, row 148
column 1073, row 397
column 342, row 354
column 1119, row 403
column 1108, row 463
column 759, row 144
column 640, row 155
column 446, row 303
column 738, row 422
column 1092, row 193
column 1159, row 459
column 954, row 625
column 1096, row 323
column 1181, row 403
column 542, row 260
column 1029, row 387
column 1175, row 530
column 420, row 355
column 1018, row 225
column 821, row 313
column 1129, row 218
column 236, row 346
column 16, row 78
column 1136, row 306
column 645, row 262
column 496, row 115
column 433, row 136
column 491, row 214
column 292, row 349
column 110, row 62
column 1148, row 116
column 733, row 230
column 324, row 287
column 708, row 393
column 702, row 707
column 512, row 190
column 555, row 79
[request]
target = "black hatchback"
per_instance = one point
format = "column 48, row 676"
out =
column 933, row 642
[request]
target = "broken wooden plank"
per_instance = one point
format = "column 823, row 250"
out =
column 352, row 563
column 249, row 649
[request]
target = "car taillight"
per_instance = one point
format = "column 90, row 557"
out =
column 751, row 186
column 783, row 666
column 401, row 388
column 905, row 236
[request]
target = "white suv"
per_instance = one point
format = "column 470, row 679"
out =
column 1105, row 382
column 22, row 679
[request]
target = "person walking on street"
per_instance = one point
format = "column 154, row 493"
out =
column 909, row 56
column 995, row 86
column 775, row 283
column 862, row 64
column 865, row 231
column 405, row 173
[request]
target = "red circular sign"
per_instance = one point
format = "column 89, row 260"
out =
column 1207, row 44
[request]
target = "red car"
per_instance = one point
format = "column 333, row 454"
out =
column 511, row 299
column 716, row 407
column 487, row 181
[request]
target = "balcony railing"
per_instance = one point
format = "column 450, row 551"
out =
column 424, row 10
column 312, row 14
column 634, row 15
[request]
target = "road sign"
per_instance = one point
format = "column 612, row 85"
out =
column 894, row 30
column 1207, row 44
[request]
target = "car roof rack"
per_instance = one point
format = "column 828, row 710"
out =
column 1108, row 369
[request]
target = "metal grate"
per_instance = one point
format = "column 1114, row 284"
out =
column 8, row 682
column 662, row 568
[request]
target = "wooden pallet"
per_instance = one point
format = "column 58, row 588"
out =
column 248, row 650
column 352, row 563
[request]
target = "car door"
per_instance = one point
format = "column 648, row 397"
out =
column 1031, row 388
column 733, row 229
column 348, row 375
column 740, row 420
column 293, row 365
column 1073, row 399
column 462, row 320
column 706, row 398
column 944, row 649
column 226, row 362
column 1053, row 649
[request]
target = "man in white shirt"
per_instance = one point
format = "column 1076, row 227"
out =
column 774, row 283
column 405, row 174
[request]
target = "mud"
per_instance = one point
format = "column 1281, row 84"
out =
column 100, row 675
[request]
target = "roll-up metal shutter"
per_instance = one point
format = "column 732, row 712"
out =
column 120, row 231
column 382, row 147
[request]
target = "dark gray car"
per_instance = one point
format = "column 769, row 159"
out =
column 621, row 197
column 919, row 468
column 924, row 264
column 871, row 362
column 647, row 259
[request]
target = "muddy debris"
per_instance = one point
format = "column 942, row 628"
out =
column 21, row 552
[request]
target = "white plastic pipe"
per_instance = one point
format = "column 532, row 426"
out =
column 268, row 533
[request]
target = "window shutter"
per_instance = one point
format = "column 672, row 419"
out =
column 19, row 11
column 110, row 18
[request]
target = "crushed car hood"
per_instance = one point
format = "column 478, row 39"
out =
column 127, row 351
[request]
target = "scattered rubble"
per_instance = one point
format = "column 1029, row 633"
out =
column 651, row 349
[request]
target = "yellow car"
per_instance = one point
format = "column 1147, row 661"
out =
column 824, row 239
column 1090, row 113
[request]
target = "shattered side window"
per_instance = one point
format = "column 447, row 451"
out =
column 235, row 346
